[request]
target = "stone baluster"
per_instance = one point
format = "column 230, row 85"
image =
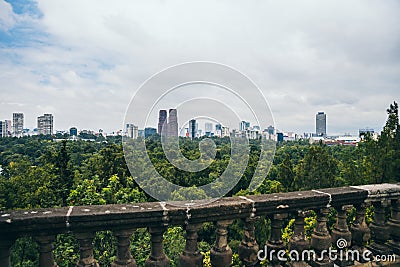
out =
column 46, row 257
column 249, row 248
column 394, row 225
column 360, row 233
column 191, row 256
column 124, row 257
column 379, row 230
column 275, row 246
column 321, row 240
column 221, row 253
column 341, row 237
column 157, row 257
column 5, row 250
column 298, row 242
column 86, row 250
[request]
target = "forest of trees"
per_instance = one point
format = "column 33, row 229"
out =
column 38, row 172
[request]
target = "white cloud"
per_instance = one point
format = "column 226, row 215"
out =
column 340, row 57
column 7, row 18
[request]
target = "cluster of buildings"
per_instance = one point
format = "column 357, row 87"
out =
column 168, row 126
column 15, row 128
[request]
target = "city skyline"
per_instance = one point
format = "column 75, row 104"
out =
column 45, row 125
column 309, row 60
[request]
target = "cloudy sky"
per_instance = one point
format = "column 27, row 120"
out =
column 84, row 60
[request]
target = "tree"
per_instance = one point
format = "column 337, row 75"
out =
column 318, row 169
column 286, row 173
column 388, row 145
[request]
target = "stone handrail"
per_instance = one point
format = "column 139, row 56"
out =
column 123, row 219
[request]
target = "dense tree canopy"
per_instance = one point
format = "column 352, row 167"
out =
column 38, row 172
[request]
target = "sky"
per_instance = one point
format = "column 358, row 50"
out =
column 83, row 61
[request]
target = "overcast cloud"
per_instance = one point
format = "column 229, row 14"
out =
column 83, row 60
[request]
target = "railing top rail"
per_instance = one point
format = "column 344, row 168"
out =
column 139, row 215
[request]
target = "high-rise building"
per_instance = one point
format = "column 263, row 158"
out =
column 218, row 130
column 162, row 121
column 18, row 124
column 244, row 125
column 8, row 127
column 132, row 131
column 225, row 132
column 192, row 128
column 73, row 131
column 173, row 122
column 320, row 124
column 3, row 129
column 208, row 129
column 271, row 130
column 45, row 124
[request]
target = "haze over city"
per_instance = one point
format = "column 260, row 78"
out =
column 83, row 60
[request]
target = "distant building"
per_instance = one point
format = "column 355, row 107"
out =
column 244, row 125
column 208, row 129
column 18, row 124
column 365, row 131
column 135, row 132
column 149, row 131
column 162, row 120
column 73, row 131
column 320, row 124
column 225, row 132
column 192, row 128
column 132, row 131
column 45, row 124
column 218, row 130
column 280, row 137
column 173, row 122
column 8, row 127
column 3, row 129
column 271, row 130
column 141, row 133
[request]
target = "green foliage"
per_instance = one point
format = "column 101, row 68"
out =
column 174, row 243
column 38, row 172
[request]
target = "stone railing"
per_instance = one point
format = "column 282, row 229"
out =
column 83, row 221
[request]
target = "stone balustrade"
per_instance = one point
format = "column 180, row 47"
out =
column 381, row 237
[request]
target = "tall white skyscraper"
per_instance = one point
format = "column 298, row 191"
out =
column 45, row 124
column 18, row 124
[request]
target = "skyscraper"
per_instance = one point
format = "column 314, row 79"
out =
column 3, row 129
column 244, row 125
column 162, row 119
column 208, row 128
column 18, row 124
column 45, row 124
column 173, row 122
column 132, row 130
column 192, row 128
column 218, row 130
column 271, row 130
column 320, row 124
column 73, row 131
